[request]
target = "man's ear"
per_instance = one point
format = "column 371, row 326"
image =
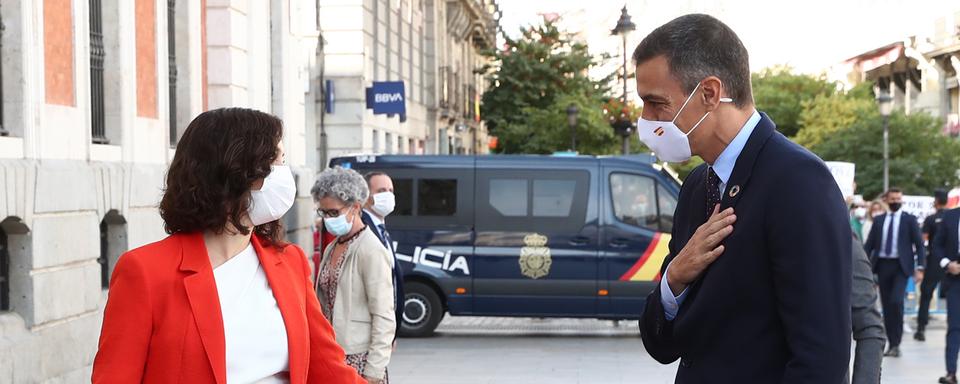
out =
column 711, row 89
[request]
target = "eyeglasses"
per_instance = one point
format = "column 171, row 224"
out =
column 331, row 213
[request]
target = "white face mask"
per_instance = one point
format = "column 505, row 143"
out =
column 275, row 198
column 666, row 139
column 384, row 203
column 860, row 212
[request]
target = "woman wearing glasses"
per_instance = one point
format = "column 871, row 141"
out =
column 355, row 283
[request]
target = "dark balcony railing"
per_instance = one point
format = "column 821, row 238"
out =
column 97, row 54
column 4, row 273
column 172, row 68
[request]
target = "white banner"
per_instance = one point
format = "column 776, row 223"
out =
column 919, row 206
column 844, row 174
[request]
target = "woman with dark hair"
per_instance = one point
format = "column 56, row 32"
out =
column 223, row 299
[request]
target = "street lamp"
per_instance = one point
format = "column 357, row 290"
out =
column 623, row 29
column 572, row 113
column 885, row 103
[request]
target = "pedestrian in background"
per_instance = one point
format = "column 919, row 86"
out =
column 895, row 246
column 356, row 275
column 867, row 323
column 223, row 299
column 379, row 205
column 946, row 249
column 934, row 272
column 874, row 209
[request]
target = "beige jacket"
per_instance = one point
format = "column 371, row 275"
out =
column 363, row 311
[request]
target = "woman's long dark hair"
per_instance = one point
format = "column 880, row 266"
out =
column 220, row 156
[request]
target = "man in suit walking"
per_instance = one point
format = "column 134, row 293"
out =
column 896, row 249
column 946, row 248
column 379, row 205
column 933, row 273
column 756, row 288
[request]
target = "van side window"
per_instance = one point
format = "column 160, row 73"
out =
column 668, row 205
column 437, row 197
column 505, row 196
column 514, row 200
column 634, row 200
column 403, row 192
column 553, row 198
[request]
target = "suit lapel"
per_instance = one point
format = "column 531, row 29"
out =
column 291, row 308
column 201, row 290
column 743, row 168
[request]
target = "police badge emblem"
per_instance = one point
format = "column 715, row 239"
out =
column 535, row 257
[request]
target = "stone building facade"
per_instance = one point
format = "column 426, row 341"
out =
column 94, row 95
column 434, row 47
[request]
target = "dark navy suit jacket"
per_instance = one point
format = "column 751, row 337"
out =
column 397, row 271
column 909, row 242
column 946, row 242
column 775, row 306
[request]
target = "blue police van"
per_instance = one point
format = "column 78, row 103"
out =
column 530, row 236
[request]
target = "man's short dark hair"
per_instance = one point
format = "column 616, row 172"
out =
column 370, row 175
column 893, row 190
column 940, row 196
column 697, row 46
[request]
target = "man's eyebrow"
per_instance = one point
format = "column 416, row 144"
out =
column 652, row 97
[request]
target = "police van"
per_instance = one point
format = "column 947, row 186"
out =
column 526, row 236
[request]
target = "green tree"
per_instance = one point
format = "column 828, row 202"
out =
column 781, row 94
column 529, row 82
column 826, row 115
column 921, row 158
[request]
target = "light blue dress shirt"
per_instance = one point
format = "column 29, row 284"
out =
column 724, row 168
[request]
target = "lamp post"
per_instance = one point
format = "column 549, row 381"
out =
column 572, row 113
column 623, row 29
column 885, row 102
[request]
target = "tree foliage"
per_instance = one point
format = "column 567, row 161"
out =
column 532, row 81
column 781, row 93
column 921, row 157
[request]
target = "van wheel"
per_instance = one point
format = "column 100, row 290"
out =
column 422, row 310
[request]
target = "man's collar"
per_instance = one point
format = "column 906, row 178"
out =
column 728, row 158
column 377, row 222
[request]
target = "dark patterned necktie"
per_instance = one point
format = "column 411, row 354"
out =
column 713, row 190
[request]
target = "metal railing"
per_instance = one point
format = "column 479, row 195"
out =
column 172, row 68
column 97, row 54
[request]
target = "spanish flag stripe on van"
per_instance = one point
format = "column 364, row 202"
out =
column 648, row 267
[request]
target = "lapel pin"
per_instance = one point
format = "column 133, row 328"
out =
column 734, row 191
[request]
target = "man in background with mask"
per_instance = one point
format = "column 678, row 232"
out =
column 933, row 273
column 756, row 288
column 895, row 247
column 379, row 205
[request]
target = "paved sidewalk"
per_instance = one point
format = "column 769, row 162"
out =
column 531, row 351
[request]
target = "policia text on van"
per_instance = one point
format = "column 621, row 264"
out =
column 537, row 236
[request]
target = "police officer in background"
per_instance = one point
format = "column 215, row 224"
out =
column 934, row 272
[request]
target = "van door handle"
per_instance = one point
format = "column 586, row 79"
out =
column 619, row 243
column 579, row 240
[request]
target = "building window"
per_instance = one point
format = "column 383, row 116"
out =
column 97, row 54
column 376, row 141
column 113, row 243
column 388, row 141
column 172, row 68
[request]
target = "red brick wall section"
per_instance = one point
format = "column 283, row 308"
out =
column 146, row 18
column 58, row 52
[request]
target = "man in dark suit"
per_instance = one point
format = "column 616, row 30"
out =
column 761, row 295
column 933, row 272
column 379, row 205
column 946, row 248
column 895, row 248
